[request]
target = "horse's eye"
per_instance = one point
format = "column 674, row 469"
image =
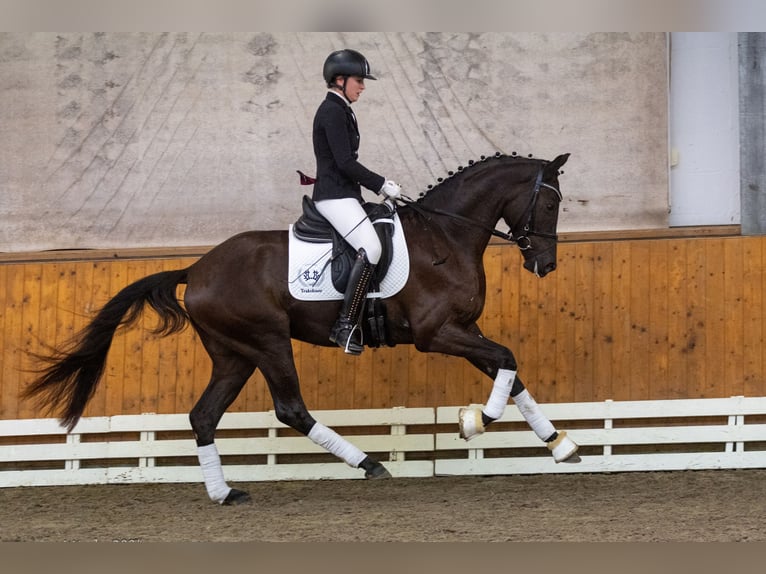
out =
column 550, row 206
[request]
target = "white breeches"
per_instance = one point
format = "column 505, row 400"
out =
column 350, row 219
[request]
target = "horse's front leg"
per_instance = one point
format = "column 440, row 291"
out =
column 498, row 362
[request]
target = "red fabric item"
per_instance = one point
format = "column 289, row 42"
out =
column 305, row 179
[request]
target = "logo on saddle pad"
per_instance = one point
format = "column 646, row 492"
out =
column 320, row 260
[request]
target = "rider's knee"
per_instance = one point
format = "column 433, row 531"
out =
column 373, row 251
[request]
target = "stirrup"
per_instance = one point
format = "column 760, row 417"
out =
column 343, row 334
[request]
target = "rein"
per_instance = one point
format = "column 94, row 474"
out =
column 522, row 239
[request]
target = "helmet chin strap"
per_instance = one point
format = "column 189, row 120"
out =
column 343, row 88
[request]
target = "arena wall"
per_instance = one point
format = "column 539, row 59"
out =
column 168, row 140
column 623, row 319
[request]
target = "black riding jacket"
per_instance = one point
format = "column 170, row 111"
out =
column 336, row 142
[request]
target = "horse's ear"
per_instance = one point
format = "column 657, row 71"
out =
column 554, row 166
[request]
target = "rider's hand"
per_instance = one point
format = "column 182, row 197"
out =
column 391, row 190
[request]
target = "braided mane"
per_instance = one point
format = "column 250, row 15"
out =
column 472, row 165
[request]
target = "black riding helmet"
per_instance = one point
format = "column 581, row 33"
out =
column 346, row 63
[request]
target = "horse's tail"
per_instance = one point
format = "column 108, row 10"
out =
column 70, row 379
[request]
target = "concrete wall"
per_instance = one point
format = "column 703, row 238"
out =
column 752, row 117
column 146, row 139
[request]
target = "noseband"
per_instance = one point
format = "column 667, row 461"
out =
column 519, row 233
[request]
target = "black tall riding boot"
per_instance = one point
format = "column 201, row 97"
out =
column 346, row 332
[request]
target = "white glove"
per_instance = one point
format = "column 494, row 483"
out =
column 391, row 190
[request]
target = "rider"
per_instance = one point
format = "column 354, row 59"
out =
column 337, row 192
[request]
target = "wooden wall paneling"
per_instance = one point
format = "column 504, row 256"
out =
column 658, row 284
column 733, row 317
column 630, row 319
column 753, row 332
column 437, row 374
column 363, row 380
column 345, row 380
column 677, row 293
column 565, row 312
column 398, row 386
column 715, row 317
column 327, row 387
column 695, row 346
column 621, row 321
column 380, row 375
column 11, row 352
column 640, row 326
column 583, row 373
column 601, row 319
column 5, row 338
column 419, row 392
column 29, row 309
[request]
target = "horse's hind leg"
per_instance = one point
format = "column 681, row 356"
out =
column 278, row 368
column 230, row 373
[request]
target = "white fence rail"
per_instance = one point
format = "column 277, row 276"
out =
column 417, row 442
column 688, row 434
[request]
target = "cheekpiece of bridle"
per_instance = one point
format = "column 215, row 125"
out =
column 519, row 233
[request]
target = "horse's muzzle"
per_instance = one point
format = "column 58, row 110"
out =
column 541, row 264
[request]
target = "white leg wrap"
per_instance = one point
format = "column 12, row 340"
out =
column 470, row 423
column 534, row 416
column 336, row 444
column 212, row 472
column 501, row 390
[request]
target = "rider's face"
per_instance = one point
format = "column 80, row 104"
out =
column 354, row 87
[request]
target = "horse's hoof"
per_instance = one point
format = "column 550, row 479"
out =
column 470, row 422
column 377, row 471
column 236, row 497
column 564, row 449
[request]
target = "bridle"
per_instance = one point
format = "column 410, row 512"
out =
column 522, row 239
column 518, row 233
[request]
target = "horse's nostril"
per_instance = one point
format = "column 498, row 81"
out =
column 550, row 267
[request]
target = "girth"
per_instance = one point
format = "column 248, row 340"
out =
column 312, row 227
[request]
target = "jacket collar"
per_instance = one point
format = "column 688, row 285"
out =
column 335, row 96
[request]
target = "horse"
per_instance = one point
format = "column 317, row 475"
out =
column 237, row 301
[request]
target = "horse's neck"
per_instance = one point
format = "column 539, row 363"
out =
column 467, row 227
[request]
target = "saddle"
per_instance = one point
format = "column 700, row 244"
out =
column 312, row 227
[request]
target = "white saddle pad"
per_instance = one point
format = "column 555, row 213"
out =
column 310, row 276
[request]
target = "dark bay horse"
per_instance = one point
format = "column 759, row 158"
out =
column 238, row 302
